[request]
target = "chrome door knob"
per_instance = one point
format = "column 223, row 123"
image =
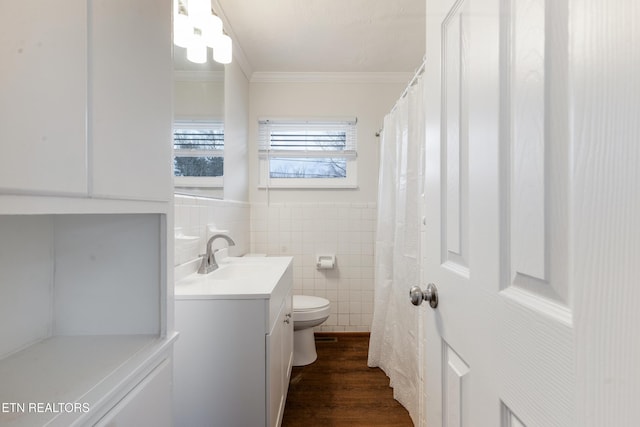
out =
column 430, row 294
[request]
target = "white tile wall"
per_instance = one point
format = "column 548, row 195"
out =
column 301, row 230
column 193, row 214
column 304, row 230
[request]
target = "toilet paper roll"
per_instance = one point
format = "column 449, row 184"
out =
column 325, row 264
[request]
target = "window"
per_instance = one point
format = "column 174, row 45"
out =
column 307, row 153
column 198, row 153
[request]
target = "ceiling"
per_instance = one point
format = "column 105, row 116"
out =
column 298, row 36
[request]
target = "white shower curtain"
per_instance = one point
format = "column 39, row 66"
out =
column 394, row 331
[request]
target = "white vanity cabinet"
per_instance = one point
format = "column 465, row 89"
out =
column 86, row 98
column 233, row 358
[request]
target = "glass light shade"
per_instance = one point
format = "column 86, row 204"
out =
column 182, row 29
column 199, row 11
column 212, row 30
column 223, row 50
column 197, row 49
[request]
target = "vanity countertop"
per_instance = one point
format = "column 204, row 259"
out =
column 236, row 278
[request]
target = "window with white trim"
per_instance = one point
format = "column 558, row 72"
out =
column 198, row 153
column 307, row 153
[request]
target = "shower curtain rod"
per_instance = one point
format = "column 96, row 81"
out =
column 417, row 74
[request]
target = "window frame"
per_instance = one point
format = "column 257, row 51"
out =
column 216, row 182
column 265, row 155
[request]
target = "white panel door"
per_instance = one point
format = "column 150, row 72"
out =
column 499, row 347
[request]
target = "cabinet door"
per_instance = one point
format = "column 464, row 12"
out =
column 275, row 371
column 220, row 358
column 148, row 404
column 130, row 111
column 43, row 92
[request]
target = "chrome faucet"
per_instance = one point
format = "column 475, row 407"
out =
column 209, row 263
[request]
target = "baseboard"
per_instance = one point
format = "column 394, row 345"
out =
column 342, row 334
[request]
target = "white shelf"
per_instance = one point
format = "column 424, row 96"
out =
column 27, row 204
column 88, row 370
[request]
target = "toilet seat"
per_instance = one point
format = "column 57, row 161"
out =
column 308, row 302
column 307, row 307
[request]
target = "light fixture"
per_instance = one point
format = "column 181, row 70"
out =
column 196, row 27
column 197, row 49
column 199, row 10
column 222, row 51
column 212, row 30
column 182, row 29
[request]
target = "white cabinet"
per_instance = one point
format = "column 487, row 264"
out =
column 130, row 118
column 233, row 358
column 86, row 313
column 148, row 404
column 83, row 313
column 86, row 99
column 43, row 97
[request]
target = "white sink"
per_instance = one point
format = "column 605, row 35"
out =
column 236, row 277
column 231, row 270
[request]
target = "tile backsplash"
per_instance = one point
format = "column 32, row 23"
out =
column 193, row 215
column 305, row 230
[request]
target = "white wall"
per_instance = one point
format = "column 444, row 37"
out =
column 369, row 102
column 304, row 223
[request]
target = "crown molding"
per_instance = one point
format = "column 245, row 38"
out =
column 241, row 59
column 330, row 77
column 238, row 53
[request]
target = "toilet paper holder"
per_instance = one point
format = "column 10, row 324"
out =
column 325, row 262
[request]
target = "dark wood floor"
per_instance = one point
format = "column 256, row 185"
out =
column 339, row 389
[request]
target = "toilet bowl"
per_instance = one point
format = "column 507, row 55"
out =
column 308, row 311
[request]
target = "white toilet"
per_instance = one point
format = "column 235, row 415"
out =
column 308, row 311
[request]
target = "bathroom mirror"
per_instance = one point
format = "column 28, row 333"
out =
column 198, row 126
